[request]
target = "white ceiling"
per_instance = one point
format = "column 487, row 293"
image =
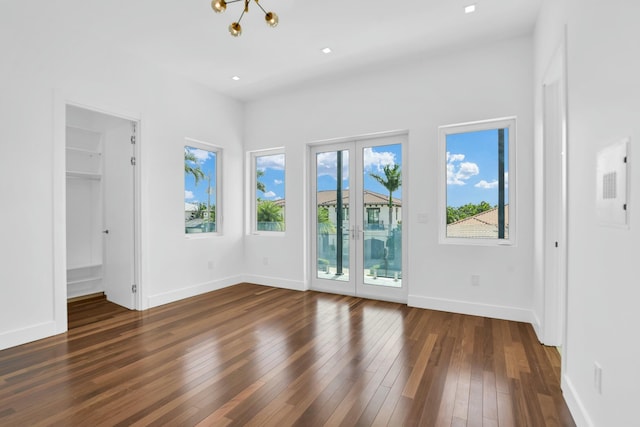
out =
column 187, row 37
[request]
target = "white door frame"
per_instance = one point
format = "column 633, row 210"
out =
column 358, row 288
column 555, row 200
column 59, row 228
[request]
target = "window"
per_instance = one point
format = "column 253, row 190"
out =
column 478, row 202
column 268, row 185
column 201, row 193
column 373, row 216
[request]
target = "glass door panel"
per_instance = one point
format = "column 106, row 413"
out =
column 381, row 203
column 356, row 214
column 332, row 215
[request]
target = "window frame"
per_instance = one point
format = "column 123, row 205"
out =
column 194, row 143
column 253, row 191
column 509, row 123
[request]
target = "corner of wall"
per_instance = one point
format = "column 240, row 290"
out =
column 191, row 291
column 25, row 335
column 294, row 285
column 473, row 308
column 574, row 403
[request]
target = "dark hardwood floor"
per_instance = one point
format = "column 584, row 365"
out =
column 257, row 356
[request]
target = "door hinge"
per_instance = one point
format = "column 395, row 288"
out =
column 133, row 161
column 134, row 288
column 133, row 136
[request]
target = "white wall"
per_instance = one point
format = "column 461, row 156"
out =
column 603, row 69
column 45, row 62
column 417, row 95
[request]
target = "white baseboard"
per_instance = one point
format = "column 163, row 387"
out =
column 191, row 291
column 28, row 334
column 276, row 282
column 472, row 308
column 537, row 326
column 577, row 409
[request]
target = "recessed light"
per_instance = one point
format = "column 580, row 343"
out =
column 235, row 78
column 470, row 9
column 326, row 50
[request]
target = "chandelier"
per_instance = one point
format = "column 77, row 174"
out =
column 235, row 28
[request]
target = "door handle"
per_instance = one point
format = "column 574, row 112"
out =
column 105, row 231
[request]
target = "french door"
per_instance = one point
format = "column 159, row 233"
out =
column 356, row 207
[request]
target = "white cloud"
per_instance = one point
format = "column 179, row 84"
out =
column 269, row 194
column 200, row 155
column 458, row 172
column 188, row 195
column 487, row 185
column 277, row 181
column 377, row 160
column 454, row 157
column 275, row 161
column 493, row 184
column 326, row 164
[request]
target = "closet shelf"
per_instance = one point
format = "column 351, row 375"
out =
column 84, row 175
column 84, row 280
column 84, row 266
column 84, row 150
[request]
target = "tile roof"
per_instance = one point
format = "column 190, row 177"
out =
column 371, row 198
column 482, row 225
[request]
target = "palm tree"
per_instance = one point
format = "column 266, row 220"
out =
column 191, row 166
column 270, row 213
column 392, row 181
column 259, row 184
column 325, row 226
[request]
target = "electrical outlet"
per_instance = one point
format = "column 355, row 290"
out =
column 597, row 377
column 475, row 280
column 210, row 265
column 265, row 261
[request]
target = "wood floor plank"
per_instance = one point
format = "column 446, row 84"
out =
column 255, row 355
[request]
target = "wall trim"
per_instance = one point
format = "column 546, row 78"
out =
column 575, row 405
column 472, row 308
column 537, row 326
column 30, row 333
column 191, row 291
column 294, row 285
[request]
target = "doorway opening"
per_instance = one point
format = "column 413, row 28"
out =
column 554, row 115
column 101, row 250
column 357, row 238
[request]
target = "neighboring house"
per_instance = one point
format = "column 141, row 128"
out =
column 190, row 210
column 483, row 225
column 195, row 224
column 380, row 241
column 376, row 215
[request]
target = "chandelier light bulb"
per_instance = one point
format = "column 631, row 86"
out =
column 272, row 19
column 235, row 29
column 219, row 6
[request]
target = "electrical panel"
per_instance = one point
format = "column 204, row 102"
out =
column 612, row 207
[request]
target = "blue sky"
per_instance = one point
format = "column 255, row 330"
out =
column 273, row 166
column 374, row 159
column 198, row 193
column 472, row 167
column 472, row 170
